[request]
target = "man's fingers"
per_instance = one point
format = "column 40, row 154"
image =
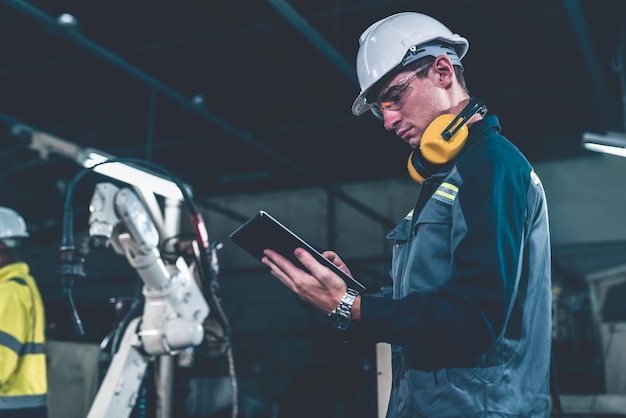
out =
column 327, row 280
column 281, row 263
column 336, row 260
column 279, row 266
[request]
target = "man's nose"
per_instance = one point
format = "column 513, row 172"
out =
column 390, row 119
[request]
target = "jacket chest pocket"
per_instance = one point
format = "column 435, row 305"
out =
column 422, row 255
column 399, row 236
column 431, row 251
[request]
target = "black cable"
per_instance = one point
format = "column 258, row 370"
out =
column 132, row 313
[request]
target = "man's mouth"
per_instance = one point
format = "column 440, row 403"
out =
column 402, row 133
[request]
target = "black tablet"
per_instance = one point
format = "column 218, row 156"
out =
column 264, row 231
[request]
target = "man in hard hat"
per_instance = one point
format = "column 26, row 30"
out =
column 23, row 378
column 469, row 314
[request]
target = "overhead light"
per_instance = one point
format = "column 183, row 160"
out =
column 67, row 20
column 92, row 158
column 612, row 143
column 139, row 177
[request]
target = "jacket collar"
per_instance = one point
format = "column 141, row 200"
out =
column 19, row 269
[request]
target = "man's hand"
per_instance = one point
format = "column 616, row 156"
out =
column 319, row 286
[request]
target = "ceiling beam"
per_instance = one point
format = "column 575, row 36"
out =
column 603, row 98
column 298, row 22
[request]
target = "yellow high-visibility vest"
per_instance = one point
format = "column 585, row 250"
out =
column 23, row 379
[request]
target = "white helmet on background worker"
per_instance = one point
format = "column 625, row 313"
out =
column 398, row 40
column 12, row 225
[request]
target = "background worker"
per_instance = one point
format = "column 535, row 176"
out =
column 23, row 377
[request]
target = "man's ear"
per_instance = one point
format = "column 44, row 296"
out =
column 444, row 70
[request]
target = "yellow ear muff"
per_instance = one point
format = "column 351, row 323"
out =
column 435, row 148
column 413, row 173
column 442, row 140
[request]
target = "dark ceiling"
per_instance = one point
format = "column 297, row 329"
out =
column 253, row 95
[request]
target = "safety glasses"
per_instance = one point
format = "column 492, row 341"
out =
column 393, row 97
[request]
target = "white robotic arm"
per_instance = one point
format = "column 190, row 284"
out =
column 174, row 309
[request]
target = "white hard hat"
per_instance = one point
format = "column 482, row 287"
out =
column 400, row 39
column 12, row 225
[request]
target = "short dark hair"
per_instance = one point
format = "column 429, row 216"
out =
column 458, row 70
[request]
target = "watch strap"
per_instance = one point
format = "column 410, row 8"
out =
column 342, row 314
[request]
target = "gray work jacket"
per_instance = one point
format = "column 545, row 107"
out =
column 469, row 315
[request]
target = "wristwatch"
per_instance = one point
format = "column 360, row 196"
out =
column 341, row 316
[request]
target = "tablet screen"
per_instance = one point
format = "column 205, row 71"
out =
column 264, row 231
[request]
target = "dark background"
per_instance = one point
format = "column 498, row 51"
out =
column 254, row 96
column 276, row 83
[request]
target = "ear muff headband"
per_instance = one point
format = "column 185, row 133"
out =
column 442, row 140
